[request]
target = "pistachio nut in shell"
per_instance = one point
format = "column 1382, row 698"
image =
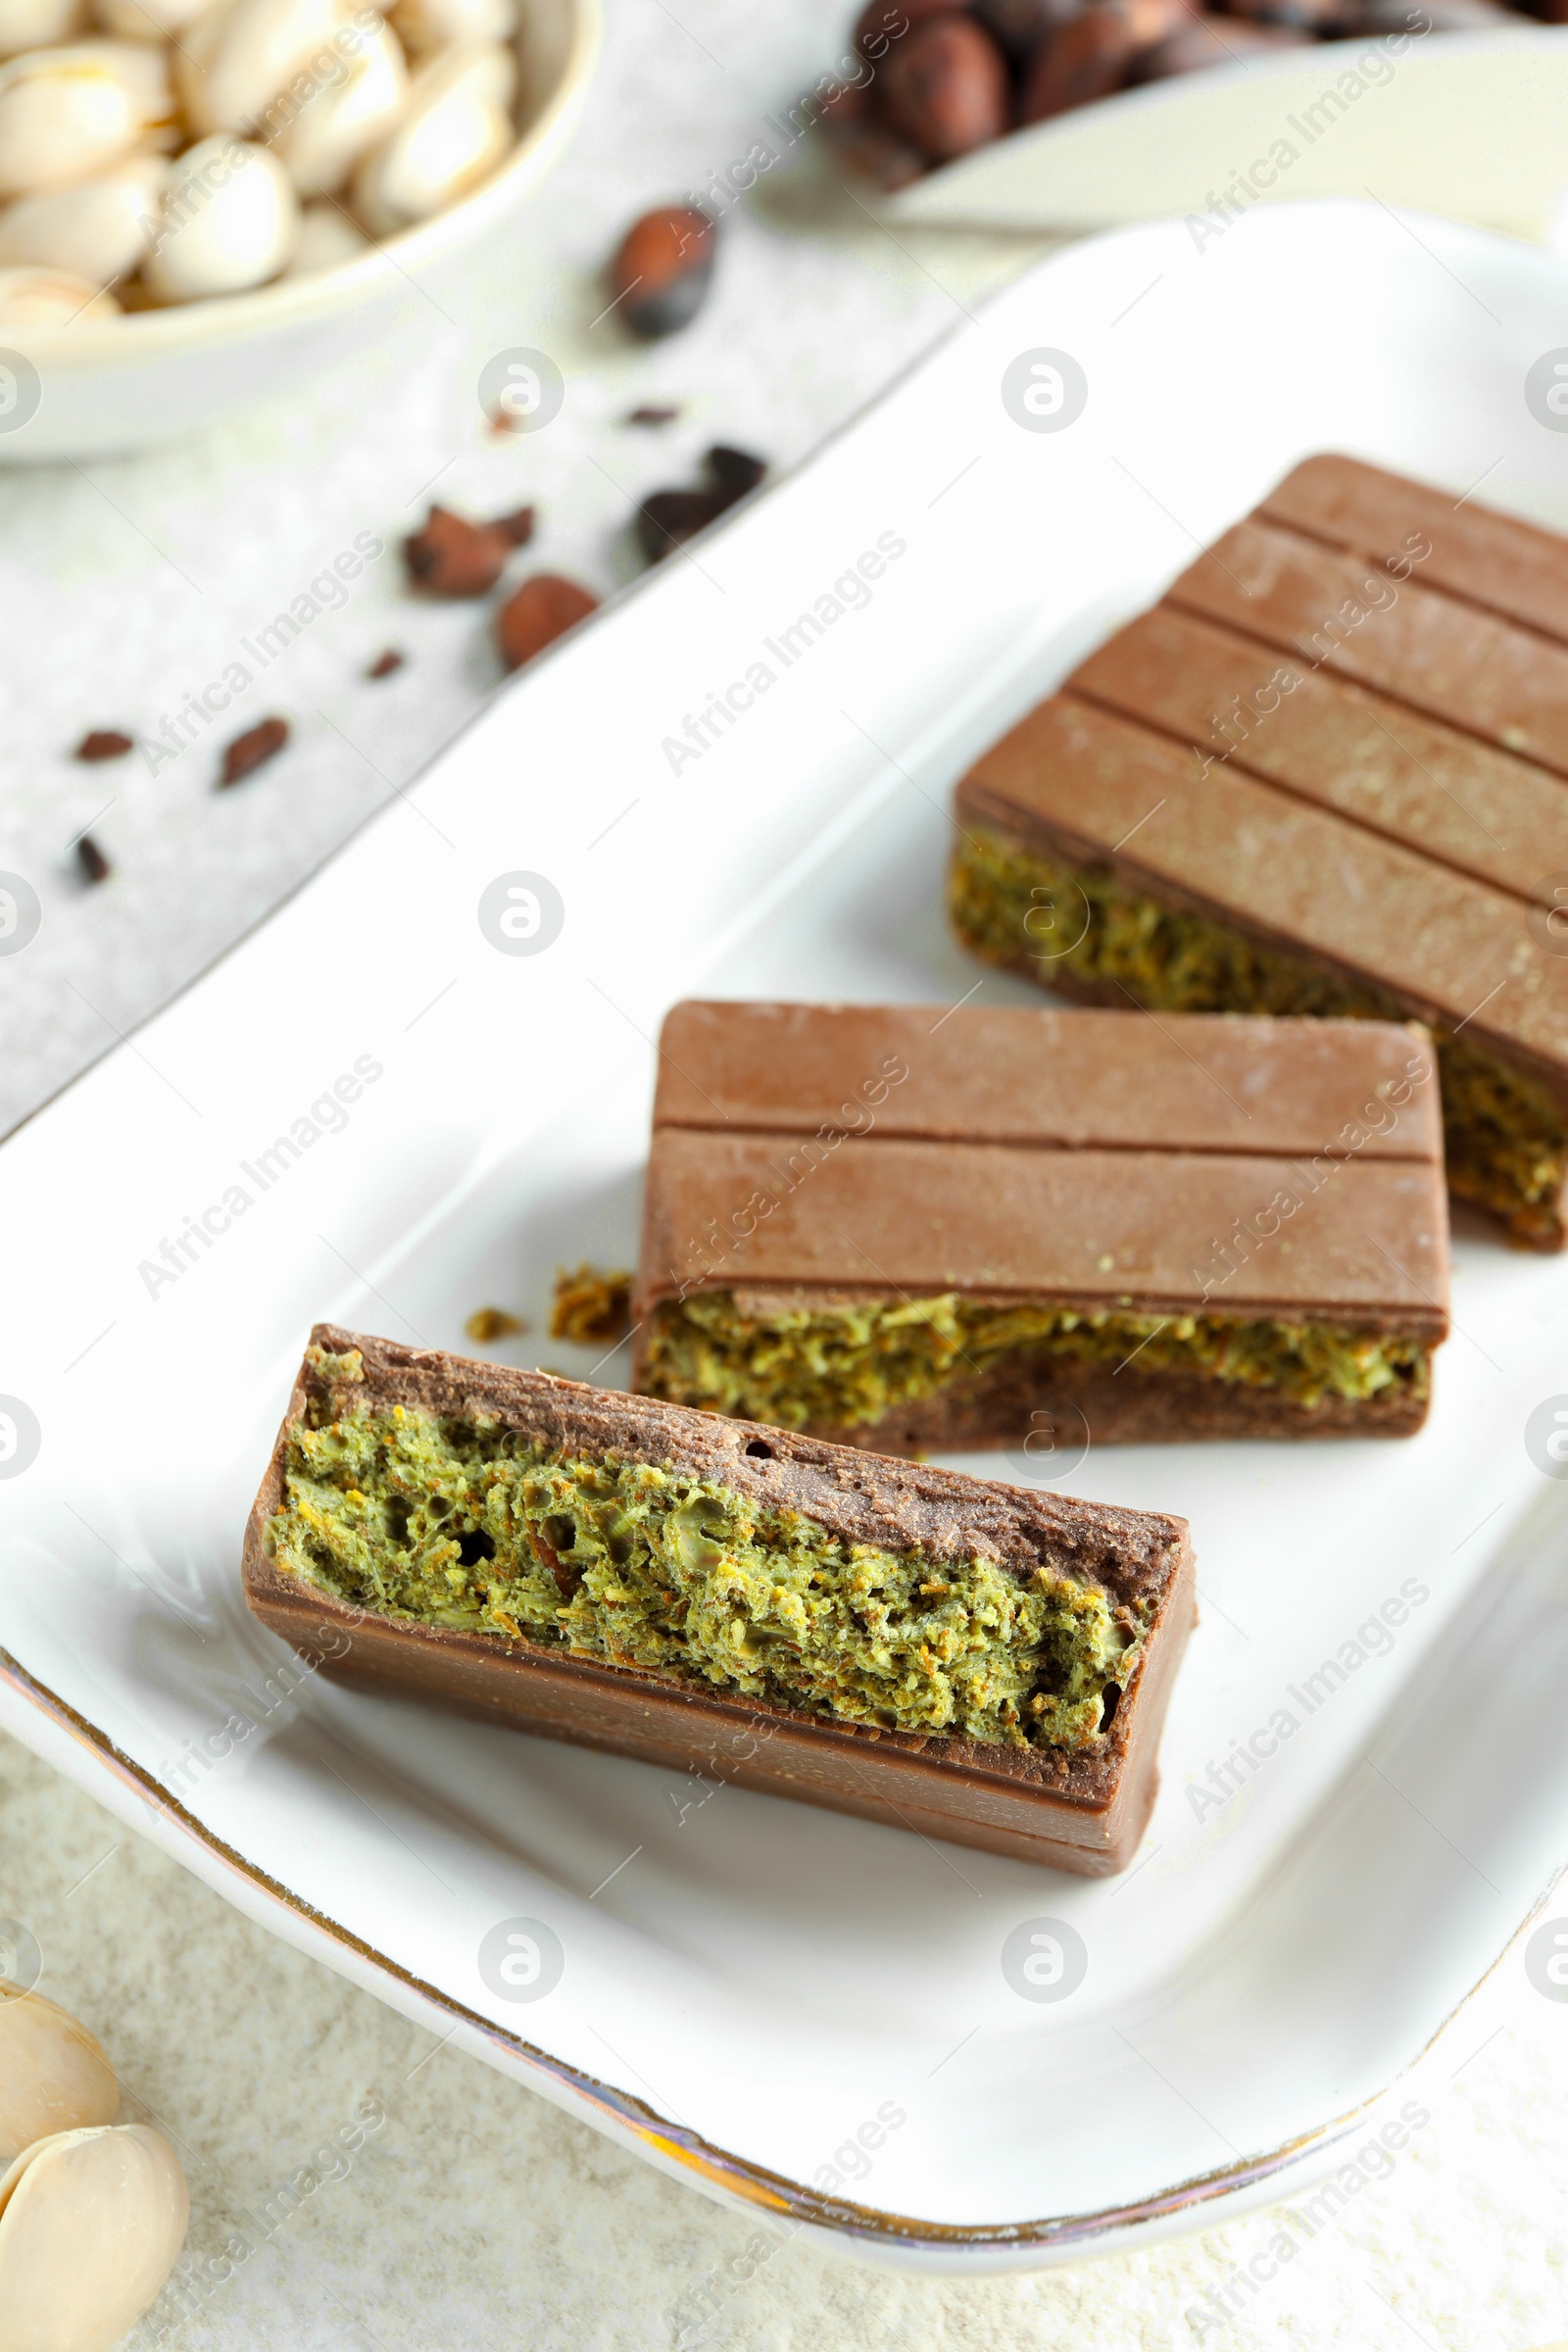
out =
column 54, row 2075
column 236, row 61
column 148, row 20
column 67, row 114
column 230, row 220
column 455, row 128
column 99, row 229
column 49, row 298
column 91, row 2224
column 327, row 240
column 323, row 140
column 38, row 23
column 425, row 25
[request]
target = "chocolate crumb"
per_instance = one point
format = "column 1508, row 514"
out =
column 653, row 416
column 103, row 743
column 94, row 864
column 385, row 664
column 252, row 750
column 488, row 1323
column 590, row 1306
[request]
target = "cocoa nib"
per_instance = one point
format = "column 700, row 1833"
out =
column 670, row 518
column 385, row 664
column 653, row 416
column 103, row 743
column 667, row 518
column 452, row 556
column 252, row 750
column 734, row 470
column 94, row 864
column 542, row 610
column 660, row 276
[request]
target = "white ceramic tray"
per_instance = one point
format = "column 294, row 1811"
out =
column 746, row 1983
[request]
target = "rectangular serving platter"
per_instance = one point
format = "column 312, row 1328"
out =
column 1365, row 1770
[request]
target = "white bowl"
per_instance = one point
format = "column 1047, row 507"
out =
column 124, row 383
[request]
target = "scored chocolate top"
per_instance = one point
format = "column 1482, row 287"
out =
column 1085, row 1158
column 859, row 1497
column 1346, row 726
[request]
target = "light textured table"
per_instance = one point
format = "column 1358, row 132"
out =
column 476, row 2216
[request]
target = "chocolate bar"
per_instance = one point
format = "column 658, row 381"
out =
column 974, row 1661
column 911, row 1228
column 1327, row 774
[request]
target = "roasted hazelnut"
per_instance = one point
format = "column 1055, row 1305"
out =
column 660, row 275
column 542, row 610
column 945, row 88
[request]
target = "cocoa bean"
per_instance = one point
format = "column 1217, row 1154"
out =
column 660, row 275
column 945, row 88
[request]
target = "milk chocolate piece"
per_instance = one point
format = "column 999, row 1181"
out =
column 1328, row 773
column 910, row 1228
column 1078, row 1807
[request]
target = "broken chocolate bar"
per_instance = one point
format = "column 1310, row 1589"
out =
column 1327, row 774
column 909, row 1228
column 974, row 1661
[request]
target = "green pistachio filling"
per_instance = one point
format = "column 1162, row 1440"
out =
column 847, row 1366
column 1506, row 1139
column 469, row 1524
